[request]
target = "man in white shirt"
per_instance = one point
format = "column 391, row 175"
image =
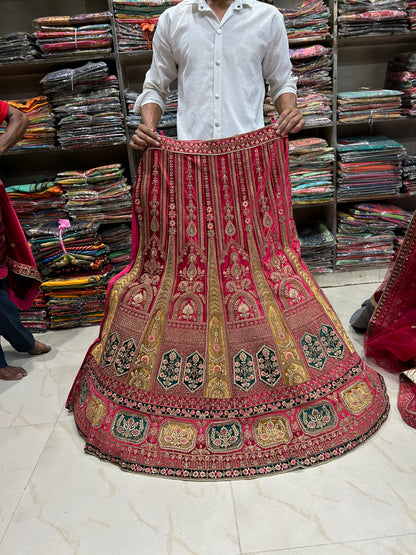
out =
column 220, row 52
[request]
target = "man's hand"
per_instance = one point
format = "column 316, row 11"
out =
column 17, row 123
column 290, row 119
column 144, row 137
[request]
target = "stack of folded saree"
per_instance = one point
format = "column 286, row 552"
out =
column 364, row 239
column 41, row 131
column 86, row 101
column 401, row 75
column 82, row 33
column 411, row 14
column 370, row 17
column 369, row 105
column 312, row 65
column 18, row 47
column 311, row 170
column 316, row 245
column 73, row 262
column 167, row 123
column 308, row 20
column 36, row 203
column 36, row 318
column 100, row 194
column 118, row 240
column 409, row 175
column 369, row 166
column 136, row 22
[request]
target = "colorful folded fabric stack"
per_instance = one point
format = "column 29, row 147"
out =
column 18, row 47
column 118, row 240
column 167, row 123
column 37, row 203
column 41, row 132
column 369, row 167
column 308, row 20
column 369, row 105
column 313, row 66
column 36, row 318
column 83, row 33
column 87, row 105
column 371, row 17
column 317, row 246
column 401, row 75
column 409, row 175
column 73, row 262
column 364, row 239
column 311, row 170
column 100, row 194
column 136, row 22
column 75, row 302
column 411, row 14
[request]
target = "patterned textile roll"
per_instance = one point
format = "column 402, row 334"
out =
column 219, row 356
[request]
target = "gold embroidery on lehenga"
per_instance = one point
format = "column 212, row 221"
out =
column 96, row 410
column 143, row 367
column 289, row 358
column 218, row 381
column 270, row 432
column 177, row 436
column 357, row 397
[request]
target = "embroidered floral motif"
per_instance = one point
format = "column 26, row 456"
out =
column 226, row 436
column 357, row 397
column 318, row 418
column 124, row 357
column 314, row 354
column 110, row 349
column 268, row 366
column 83, row 390
column 130, row 427
column 194, row 372
column 170, row 369
column 96, row 410
column 244, row 374
column 177, row 436
column 331, row 342
column 270, row 432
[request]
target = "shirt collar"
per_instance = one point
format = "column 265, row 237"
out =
column 237, row 4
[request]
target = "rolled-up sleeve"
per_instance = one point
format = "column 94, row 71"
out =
column 163, row 70
column 277, row 67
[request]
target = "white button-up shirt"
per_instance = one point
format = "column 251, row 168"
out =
column 220, row 66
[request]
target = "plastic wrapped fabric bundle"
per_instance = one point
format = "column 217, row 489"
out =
column 18, row 47
column 86, row 101
column 63, row 35
column 369, row 166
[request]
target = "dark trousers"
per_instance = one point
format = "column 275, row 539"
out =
column 11, row 327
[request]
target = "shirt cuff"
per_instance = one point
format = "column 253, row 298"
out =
column 148, row 97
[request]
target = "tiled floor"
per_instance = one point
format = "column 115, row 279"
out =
column 56, row 500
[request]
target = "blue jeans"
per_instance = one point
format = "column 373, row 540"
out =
column 11, row 327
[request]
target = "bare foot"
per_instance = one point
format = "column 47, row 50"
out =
column 12, row 373
column 40, row 348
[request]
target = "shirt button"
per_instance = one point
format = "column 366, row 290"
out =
column 217, row 96
column 217, row 63
column 217, row 124
column 219, row 31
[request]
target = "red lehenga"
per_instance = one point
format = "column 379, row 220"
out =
column 391, row 335
column 219, row 356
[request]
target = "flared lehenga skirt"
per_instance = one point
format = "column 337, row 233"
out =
column 219, row 356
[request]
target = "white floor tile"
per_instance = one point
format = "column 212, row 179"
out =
column 75, row 503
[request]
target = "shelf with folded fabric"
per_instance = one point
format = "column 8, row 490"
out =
column 377, row 40
column 44, row 65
